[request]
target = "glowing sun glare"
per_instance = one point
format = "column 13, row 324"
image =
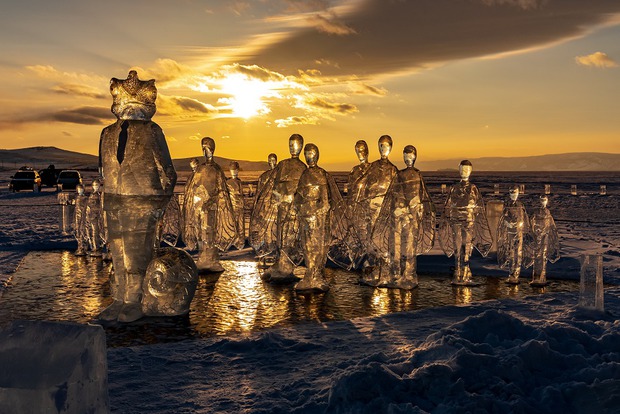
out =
column 248, row 97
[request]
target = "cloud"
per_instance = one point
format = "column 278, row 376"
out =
column 78, row 90
column 340, row 108
column 398, row 36
column 597, row 60
column 183, row 107
column 364, row 89
column 51, row 73
column 330, row 25
column 85, row 115
column 296, row 120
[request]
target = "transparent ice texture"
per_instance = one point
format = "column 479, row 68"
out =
column 209, row 211
column 139, row 181
column 462, row 227
column 260, row 246
column 235, row 189
column 270, row 211
column 170, row 283
column 94, row 223
column 80, row 226
column 366, row 201
column 66, row 212
column 591, row 290
column 513, row 226
column 169, row 228
column 404, row 229
column 541, row 245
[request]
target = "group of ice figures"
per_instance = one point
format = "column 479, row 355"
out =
column 523, row 242
column 298, row 216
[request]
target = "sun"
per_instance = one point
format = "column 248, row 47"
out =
column 248, row 96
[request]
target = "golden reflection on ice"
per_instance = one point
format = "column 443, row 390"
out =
column 462, row 295
column 391, row 300
column 78, row 270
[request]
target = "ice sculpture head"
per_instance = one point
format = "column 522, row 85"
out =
column 544, row 200
column 311, row 152
column 79, row 189
column 514, row 192
column 295, row 144
column 234, row 169
column 465, row 169
column 208, row 147
column 361, row 149
column 385, row 146
column 170, row 283
column 193, row 163
column 409, row 155
column 133, row 99
column 272, row 159
column 96, row 185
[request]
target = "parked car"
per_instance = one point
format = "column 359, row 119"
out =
column 68, row 180
column 25, row 179
column 49, row 176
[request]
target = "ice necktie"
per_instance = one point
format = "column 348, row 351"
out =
column 122, row 142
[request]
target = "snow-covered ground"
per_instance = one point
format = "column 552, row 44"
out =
column 541, row 354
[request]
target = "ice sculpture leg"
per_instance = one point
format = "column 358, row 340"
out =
column 405, row 262
column 516, row 255
column 315, row 241
column 132, row 227
column 282, row 270
column 463, row 235
column 208, row 255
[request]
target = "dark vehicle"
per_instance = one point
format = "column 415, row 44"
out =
column 49, row 176
column 68, row 180
column 25, row 180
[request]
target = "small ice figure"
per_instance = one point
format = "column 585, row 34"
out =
column 272, row 160
column 357, row 172
column 139, row 181
column 315, row 218
column 542, row 243
column 170, row 283
column 235, row 189
column 94, row 220
column 270, row 210
column 366, row 201
column 573, row 189
column 547, row 189
column 405, row 227
column 603, row 189
column 189, row 218
column 209, row 208
column 591, row 289
column 513, row 226
column 464, row 225
column 170, row 224
column 80, row 229
column 261, row 249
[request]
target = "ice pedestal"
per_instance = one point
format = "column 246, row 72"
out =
column 53, row 367
column 591, row 293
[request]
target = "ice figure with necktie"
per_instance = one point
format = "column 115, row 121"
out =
column 139, row 179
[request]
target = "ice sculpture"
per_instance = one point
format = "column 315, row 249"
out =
column 405, row 227
column 513, row 226
column 270, row 210
column 80, row 229
column 209, row 209
column 235, row 189
column 170, row 283
column 464, row 225
column 357, row 172
column 366, row 202
column 94, row 219
column 139, row 181
column 189, row 219
column 315, row 220
column 542, row 243
column 170, row 227
column 272, row 159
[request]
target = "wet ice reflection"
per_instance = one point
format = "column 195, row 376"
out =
column 61, row 286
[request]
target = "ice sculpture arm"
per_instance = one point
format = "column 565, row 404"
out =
column 163, row 161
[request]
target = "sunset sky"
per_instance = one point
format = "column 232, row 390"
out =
column 457, row 79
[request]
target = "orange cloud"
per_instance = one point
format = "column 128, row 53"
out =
column 597, row 60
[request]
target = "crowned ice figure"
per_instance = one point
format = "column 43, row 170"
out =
column 207, row 203
column 235, row 189
column 170, row 283
column 80, row 226
column 366, row 201
column 94, row 219
column 513, row 226
column 139, row 176
column 464, row 225
column 316, row 219
column 270, row 210
column 542, row 243
column 405, row 227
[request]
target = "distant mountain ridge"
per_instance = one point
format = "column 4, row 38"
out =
column 572, row 161
column 41, row 157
